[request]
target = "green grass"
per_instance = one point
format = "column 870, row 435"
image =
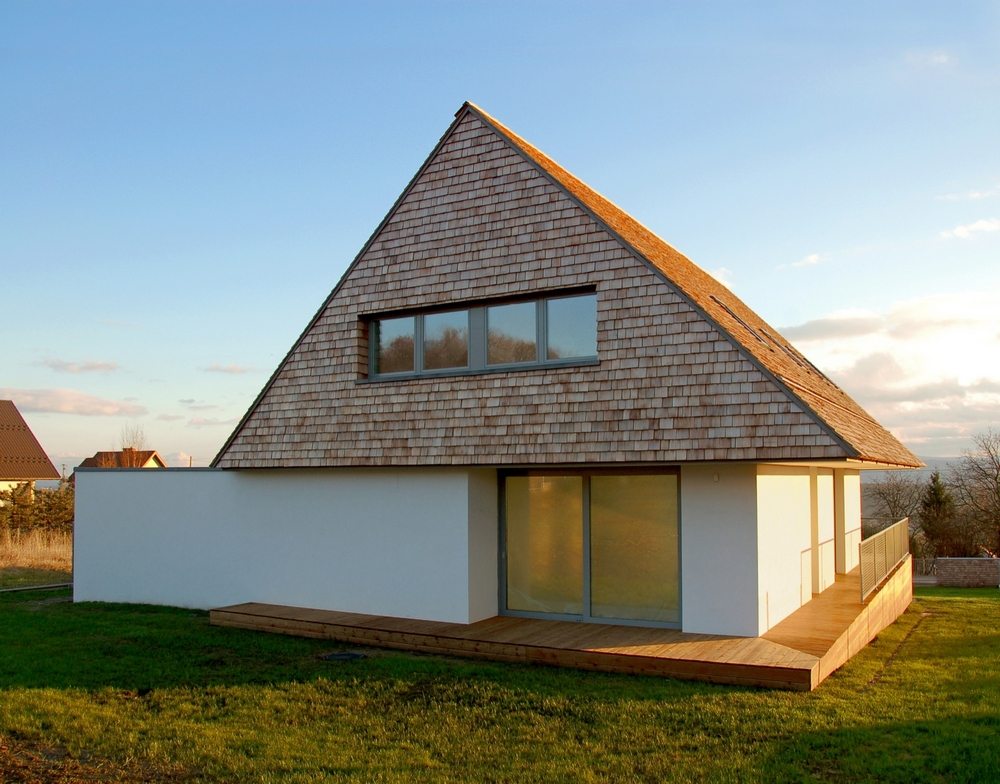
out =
column 21, row 577
column 133, row 692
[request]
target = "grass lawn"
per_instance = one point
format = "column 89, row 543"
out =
column 20, row 577
column 123, row 693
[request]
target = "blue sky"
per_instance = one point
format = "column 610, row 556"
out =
column 181, row 184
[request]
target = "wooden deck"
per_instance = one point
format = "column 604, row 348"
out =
column 798, row 653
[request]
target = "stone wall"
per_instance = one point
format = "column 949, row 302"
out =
column 968, row 572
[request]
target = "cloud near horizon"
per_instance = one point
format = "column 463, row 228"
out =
column 64, row 366
column 209, row 422
column 807, row 261
column 972, row 195
column 69, row 401
column 968, row 230
column 927, row 369
column 930, row 58
column 231, row 369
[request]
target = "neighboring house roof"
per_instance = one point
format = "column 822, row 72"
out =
column 687, row 371
column 125, row 458
column 21, row 456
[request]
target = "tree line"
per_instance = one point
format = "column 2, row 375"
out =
column 952, row 514
column 25, row 508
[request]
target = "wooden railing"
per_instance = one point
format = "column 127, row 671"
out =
column 881, row 553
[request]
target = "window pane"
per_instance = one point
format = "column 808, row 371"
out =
column 572, row 326
column 633, row 547
column 545, row 544
column 446, row 340
column 395, row 345
column 511, row 334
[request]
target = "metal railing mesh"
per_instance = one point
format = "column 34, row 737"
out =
column 880, row 553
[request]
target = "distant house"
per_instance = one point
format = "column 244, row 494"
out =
column 125, row 458
column 22, row 459
column 520, row 402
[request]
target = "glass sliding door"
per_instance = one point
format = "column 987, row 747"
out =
column 596, row 545
column 633, row 547
column 545, row 544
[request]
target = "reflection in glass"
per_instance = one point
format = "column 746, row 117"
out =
column 446, row 340
column 511, row 334
column 572, row 326
column 633, row 547
column 545, row 544
column 395, row 345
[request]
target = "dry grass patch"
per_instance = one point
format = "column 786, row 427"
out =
column 37, row 549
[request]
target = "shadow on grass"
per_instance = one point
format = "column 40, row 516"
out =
column 952, row 749
column 49, row 642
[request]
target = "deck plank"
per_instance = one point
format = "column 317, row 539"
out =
column 798, row 653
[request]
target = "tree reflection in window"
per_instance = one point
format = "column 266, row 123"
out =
column 395, row 345
column 511, row 334
column 446, row 340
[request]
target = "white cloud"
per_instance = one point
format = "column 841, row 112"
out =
column 182, row 459
column 195, row 405
column 169, row 417
column 69, row 401
column 233, row 369
column 927, row 369
column 808, row 261
column 930, row 58
column 970, row 195
column 64, row 366
column 966, row 230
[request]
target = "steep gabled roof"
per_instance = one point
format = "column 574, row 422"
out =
column 687, row 371
column 125, row 458
column 832, row 407
column 21, row 456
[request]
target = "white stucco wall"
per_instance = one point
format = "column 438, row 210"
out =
column 784, row 542
column 409, row 543
column 719, row 586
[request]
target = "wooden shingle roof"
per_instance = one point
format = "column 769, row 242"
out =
column 687, row 371
column 831, row 406
column 21, row 456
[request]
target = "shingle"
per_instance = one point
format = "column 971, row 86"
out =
column 667, row 377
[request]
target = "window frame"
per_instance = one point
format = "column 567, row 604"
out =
column 478, row 336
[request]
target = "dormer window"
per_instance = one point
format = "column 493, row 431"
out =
column 543, row 332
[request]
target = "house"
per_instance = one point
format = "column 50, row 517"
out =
column 127, row 457
column 22, row 459
column 518, row 402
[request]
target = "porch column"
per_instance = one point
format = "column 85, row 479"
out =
column 847, row 518
column 822, row 533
